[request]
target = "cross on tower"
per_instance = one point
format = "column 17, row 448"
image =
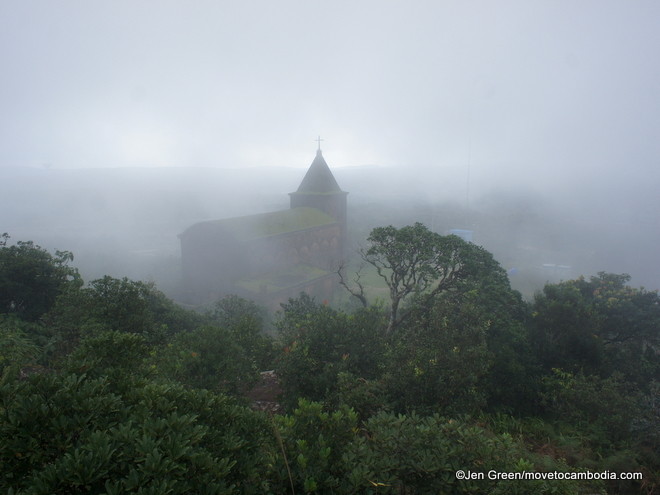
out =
column 318, row 140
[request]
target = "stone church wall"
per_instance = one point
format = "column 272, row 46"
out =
column 213, row 264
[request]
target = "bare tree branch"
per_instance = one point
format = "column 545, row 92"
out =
column 357, row 293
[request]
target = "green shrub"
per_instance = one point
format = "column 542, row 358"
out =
column 314, row 442
column 421, row 455
column 71, row 434
column 207, row 357
column 318, row 343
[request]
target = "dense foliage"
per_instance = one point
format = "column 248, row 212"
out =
column 31, row 278
column 110, row 387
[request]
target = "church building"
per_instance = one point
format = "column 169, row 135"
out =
column 271, row 257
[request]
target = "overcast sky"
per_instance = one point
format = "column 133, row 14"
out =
column 541, row 89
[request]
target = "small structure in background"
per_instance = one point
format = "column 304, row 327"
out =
column 271, row 257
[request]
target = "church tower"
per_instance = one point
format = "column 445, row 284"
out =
column 320, row 190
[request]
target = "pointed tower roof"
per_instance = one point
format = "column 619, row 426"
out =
column 319, row 178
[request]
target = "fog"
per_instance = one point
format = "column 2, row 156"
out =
column 125, row 221
column 533, row 124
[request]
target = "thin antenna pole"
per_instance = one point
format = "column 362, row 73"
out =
column 469, row 161
column 467, row 184
column 466, row 210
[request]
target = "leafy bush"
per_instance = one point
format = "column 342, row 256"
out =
column 71, row 434
column 581, row 399
column 365, row 397
column 31, row 278
column 246, row 323
column 599, row 326
column 16, row 348
column 314, row 442
column 207, row 357
column 119, row 305
column 326, row 452
column 115, row 355
column 319, row 343
column 421, row 455
column 437, row 361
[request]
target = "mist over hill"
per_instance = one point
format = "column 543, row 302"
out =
column 125, row 221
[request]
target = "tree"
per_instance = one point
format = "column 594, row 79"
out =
column 580, row 400
column 208, row 357
column 132, row 306
column 319, row 343
column 599, row 326
column 122, row 305
column 31, row 278
column 16, row 349
column 414, row 261
column 112, row 354
column 437, row 360
column 244, row 320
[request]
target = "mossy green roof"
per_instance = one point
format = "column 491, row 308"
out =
column 283, row 279
column 265, row 224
